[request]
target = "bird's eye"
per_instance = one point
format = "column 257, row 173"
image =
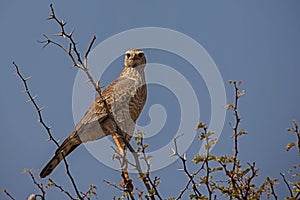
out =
column 127, row 55
column 141, row 55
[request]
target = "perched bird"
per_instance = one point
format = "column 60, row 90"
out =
column 125, row 99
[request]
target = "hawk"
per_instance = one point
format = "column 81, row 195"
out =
column 125, row 99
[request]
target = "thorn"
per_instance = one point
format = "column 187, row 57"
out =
column 45, row 36
column 33, row 98
column 184, row 156
column 58, row 34
column 135, row 168
column 26, row 79
column 45, row 45
column 87, row 81
column 41, row 108
column 173, row 152
column 62, row 23
column 71, row 33
column 70, row 48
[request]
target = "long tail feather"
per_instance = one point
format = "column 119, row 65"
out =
column 65, row 149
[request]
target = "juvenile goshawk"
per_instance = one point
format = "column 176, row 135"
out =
column 125, row 98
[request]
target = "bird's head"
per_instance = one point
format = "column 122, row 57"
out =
column 134, row 58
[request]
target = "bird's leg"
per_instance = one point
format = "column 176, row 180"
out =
column 118, row 143
column 127, row 182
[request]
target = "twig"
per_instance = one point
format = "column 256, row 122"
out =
column 272, row 188
column 118, row 188
column 190, row 175
column 235, row 129
column 88, row 50
column 287, row 184
column 66, row 35
column 61, row 189
column 248, row 180
column 295, row 129
column 39, row 185
column 90, row 191
column 140, row 193
column 207, row 165
column 237, row 122
column 33, row 101
column 147, row 174
column 71, row 177
column 44, row 125
column 9, row 195
column 186, row 187
column 113, row 185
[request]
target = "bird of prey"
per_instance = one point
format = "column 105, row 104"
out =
column 125, row 99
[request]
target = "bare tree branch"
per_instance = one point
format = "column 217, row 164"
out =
column 39, row 185
column 272, row 188
column 113, row 185
column 189, row 175
column 91, row 191
column 44, row 125
column 52, row 183
column 236, row 126
column 287, row 184
column 33, row 101
column 8, row 195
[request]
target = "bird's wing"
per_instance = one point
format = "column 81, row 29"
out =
column 117, row 96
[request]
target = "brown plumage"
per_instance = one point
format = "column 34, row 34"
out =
column 125, row 97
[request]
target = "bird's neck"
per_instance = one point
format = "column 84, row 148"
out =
column 136, row 73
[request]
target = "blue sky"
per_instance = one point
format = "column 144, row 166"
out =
column 254, row 41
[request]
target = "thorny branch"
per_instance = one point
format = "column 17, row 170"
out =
column 248, row 180
column 39, row 185
column 52, row 183
column 237, row 122
column 119, row 188
column 8, row 195
column 146, row 159
column 113, row 185
column 39, row 109
column 191, row 176
column 287, row 184
column 294, row 129
column 272, row 188
column 235, row 129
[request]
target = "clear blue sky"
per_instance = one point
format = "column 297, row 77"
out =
column 254, row 41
